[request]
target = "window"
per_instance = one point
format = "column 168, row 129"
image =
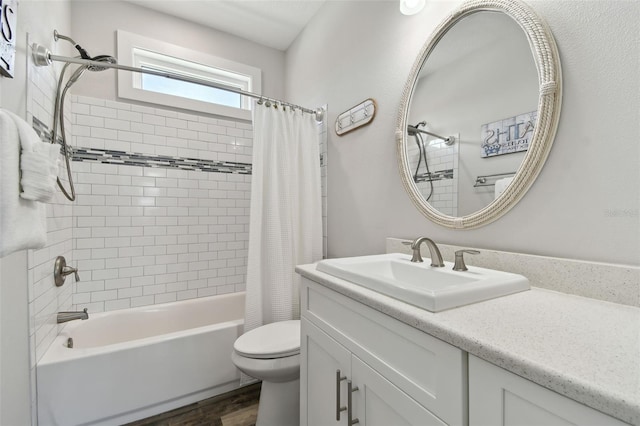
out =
column 145, row 53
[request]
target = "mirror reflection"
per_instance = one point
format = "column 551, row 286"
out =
column 472, row 113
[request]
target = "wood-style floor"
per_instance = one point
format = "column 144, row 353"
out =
column 235, row 408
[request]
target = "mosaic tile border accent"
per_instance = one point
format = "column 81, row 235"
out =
column 106, row 156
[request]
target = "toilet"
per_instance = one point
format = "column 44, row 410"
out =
column 271, row 353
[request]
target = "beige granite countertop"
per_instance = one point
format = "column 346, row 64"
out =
column 585, row 349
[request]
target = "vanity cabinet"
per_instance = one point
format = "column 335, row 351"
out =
column 497, row 396
column 397, row 374
column 405, row 376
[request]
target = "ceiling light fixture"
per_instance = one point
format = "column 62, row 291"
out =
column 411, row 7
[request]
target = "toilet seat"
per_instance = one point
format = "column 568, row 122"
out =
column 276, row 340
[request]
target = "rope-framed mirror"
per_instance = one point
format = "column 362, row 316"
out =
column 547, row 98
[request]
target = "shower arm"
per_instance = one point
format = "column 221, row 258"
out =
column 43, row 57
column 447, row 140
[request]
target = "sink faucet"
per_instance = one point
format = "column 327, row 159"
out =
column 70, row 316
column 436, row 256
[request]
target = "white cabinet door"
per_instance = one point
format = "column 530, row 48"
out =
column 377, row 402
column 427, row 369
column 498, row 397
column 321, row 358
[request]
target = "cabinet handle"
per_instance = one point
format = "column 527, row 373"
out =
column 339, row 407
column 350, row 389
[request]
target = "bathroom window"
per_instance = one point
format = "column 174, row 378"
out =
column 142, row 52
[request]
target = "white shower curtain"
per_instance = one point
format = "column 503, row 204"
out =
column 285, row 226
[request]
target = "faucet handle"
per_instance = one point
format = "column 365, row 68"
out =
column 459, row 264
column 61, row 270
column 415, row 246
column 416, row 252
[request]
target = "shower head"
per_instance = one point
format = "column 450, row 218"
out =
column 102, row 58
column 81, row 69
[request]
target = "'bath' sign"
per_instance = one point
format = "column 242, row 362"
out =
column 8, row 19
column 506, row 136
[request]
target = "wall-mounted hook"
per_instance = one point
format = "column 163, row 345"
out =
column 355, row 117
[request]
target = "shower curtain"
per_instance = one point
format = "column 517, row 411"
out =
column 285, row 225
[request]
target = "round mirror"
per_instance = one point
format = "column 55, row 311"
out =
column 479, row 113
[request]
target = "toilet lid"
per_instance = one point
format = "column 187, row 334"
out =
column 275, row 340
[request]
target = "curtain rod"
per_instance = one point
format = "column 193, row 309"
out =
column 43, row 57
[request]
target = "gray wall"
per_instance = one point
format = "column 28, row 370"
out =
column 94, row 25
column 584, row 204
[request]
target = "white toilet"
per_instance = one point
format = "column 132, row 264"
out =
column 271, row 353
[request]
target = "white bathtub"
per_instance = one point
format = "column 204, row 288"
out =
column 130, row 364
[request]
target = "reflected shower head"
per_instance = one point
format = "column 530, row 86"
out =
column 412, row 130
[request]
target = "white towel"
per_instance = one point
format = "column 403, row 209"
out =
column 501, row 186
column 22, row 222
column 38, row 163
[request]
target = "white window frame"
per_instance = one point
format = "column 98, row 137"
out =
column 137, row 51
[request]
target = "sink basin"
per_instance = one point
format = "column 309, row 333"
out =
column 431, row 288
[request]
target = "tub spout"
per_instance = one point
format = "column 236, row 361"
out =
column 70, row 316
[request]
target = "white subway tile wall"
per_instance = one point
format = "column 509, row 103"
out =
column 45, row 299
column 146, row 235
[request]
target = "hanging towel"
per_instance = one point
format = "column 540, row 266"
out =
column 22, row 222
column 38, row 163
column 501, row 185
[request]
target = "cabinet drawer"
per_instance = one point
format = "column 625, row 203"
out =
column 427, row 369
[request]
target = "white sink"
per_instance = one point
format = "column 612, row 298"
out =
column 431, row 288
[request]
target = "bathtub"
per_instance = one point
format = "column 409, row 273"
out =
column 131, row 364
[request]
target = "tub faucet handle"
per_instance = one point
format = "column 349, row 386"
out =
column 69, row 270
column 61, row 270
